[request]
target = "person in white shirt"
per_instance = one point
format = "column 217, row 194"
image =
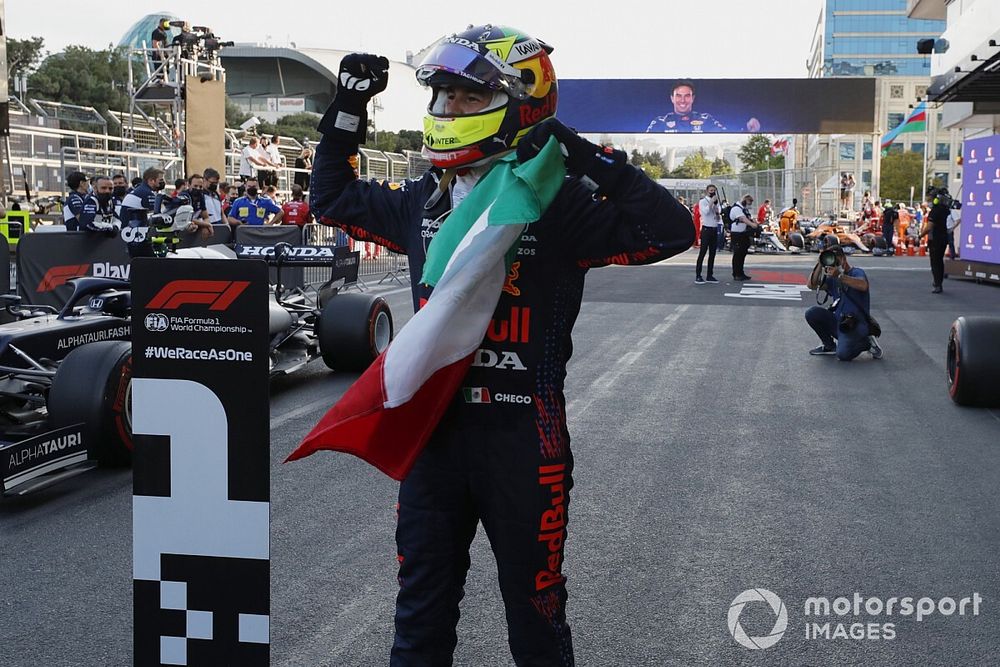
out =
column 268, row 152
column 251, row 160
column 740, row 234
column 275, row 158
column 711, row 221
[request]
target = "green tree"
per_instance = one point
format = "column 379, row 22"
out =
column 298, row 125
column 235, row 115
column 695, row 165
column 82, row 76
column 654, row 158
column 721, row 166
column 637, row 159
column 22, row 56
column 755, row 154
column 654, row 171
column 396, row 142
column 900, row 172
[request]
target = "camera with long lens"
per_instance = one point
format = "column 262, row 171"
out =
column 942, row 197
column 829, row 258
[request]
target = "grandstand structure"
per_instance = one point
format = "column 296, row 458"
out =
column 48, row 140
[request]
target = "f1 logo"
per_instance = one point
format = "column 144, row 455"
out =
column 58, row 275
column 217, row 294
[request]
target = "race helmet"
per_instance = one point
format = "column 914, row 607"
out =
column 512, row 68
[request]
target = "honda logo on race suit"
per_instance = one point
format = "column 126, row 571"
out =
column 502, row 360
column 216, row 294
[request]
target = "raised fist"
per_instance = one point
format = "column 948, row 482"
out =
column 363, row 75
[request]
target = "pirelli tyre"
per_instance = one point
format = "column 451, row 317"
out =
column 353, row 329
column 974, row 361
column 870, row 241
column 796, row 240
column 93, row 386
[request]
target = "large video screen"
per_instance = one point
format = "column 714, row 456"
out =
column 980, row 229
column 733, row 106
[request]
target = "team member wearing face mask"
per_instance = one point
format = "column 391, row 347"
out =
column 135, row 211
column 251, row 209
column 213, row 199
column 99, row 210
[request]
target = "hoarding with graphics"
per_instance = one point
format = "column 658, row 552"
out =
column 980, row 228
column 733, row 106
column 201, row 467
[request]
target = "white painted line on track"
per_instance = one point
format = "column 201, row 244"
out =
column 328, row 401
column 607, row 379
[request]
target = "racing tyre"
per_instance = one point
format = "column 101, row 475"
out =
column 880, row 243
column 974, row 361
column 353, row 330
column 796, row 240
column 93, row 386
column 870, row 241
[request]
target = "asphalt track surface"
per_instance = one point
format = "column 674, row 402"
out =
column 713, row 455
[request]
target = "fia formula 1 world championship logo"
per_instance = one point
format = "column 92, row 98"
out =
column 757, row 595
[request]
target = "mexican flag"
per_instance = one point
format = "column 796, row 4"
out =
column 390, row 412
column 915, row 122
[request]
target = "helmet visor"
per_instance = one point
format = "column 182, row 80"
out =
column 468, row 64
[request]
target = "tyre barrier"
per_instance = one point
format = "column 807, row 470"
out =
column 974, row 361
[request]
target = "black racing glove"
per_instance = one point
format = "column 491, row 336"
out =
column 598, row 167
column 362, row 76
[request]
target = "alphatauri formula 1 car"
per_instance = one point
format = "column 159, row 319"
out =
column 65, row 377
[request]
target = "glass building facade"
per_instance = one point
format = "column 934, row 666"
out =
column 874, row 38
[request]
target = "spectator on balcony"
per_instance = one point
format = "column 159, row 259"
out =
column 274, row 160
column 297, row 210
column 252, row 209
column 304, row 161
column 251, row 160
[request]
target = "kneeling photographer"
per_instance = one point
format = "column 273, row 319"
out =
column 846, row 327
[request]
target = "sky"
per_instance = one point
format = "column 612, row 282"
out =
column 611, row 39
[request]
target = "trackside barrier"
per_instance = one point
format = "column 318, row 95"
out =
column 378, row 263
column 221, row 234
column 268, row 235
column 46, row 261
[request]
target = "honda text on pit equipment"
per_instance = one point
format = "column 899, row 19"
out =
column 201, row 497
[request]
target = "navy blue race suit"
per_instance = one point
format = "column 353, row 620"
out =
column 693, row 122
column 76, row 209
column 501, row 452
column 134, row 213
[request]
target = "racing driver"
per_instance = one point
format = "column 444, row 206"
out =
column 504, row 462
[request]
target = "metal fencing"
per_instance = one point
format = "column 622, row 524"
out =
column 817, row 190
column 378, row 264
